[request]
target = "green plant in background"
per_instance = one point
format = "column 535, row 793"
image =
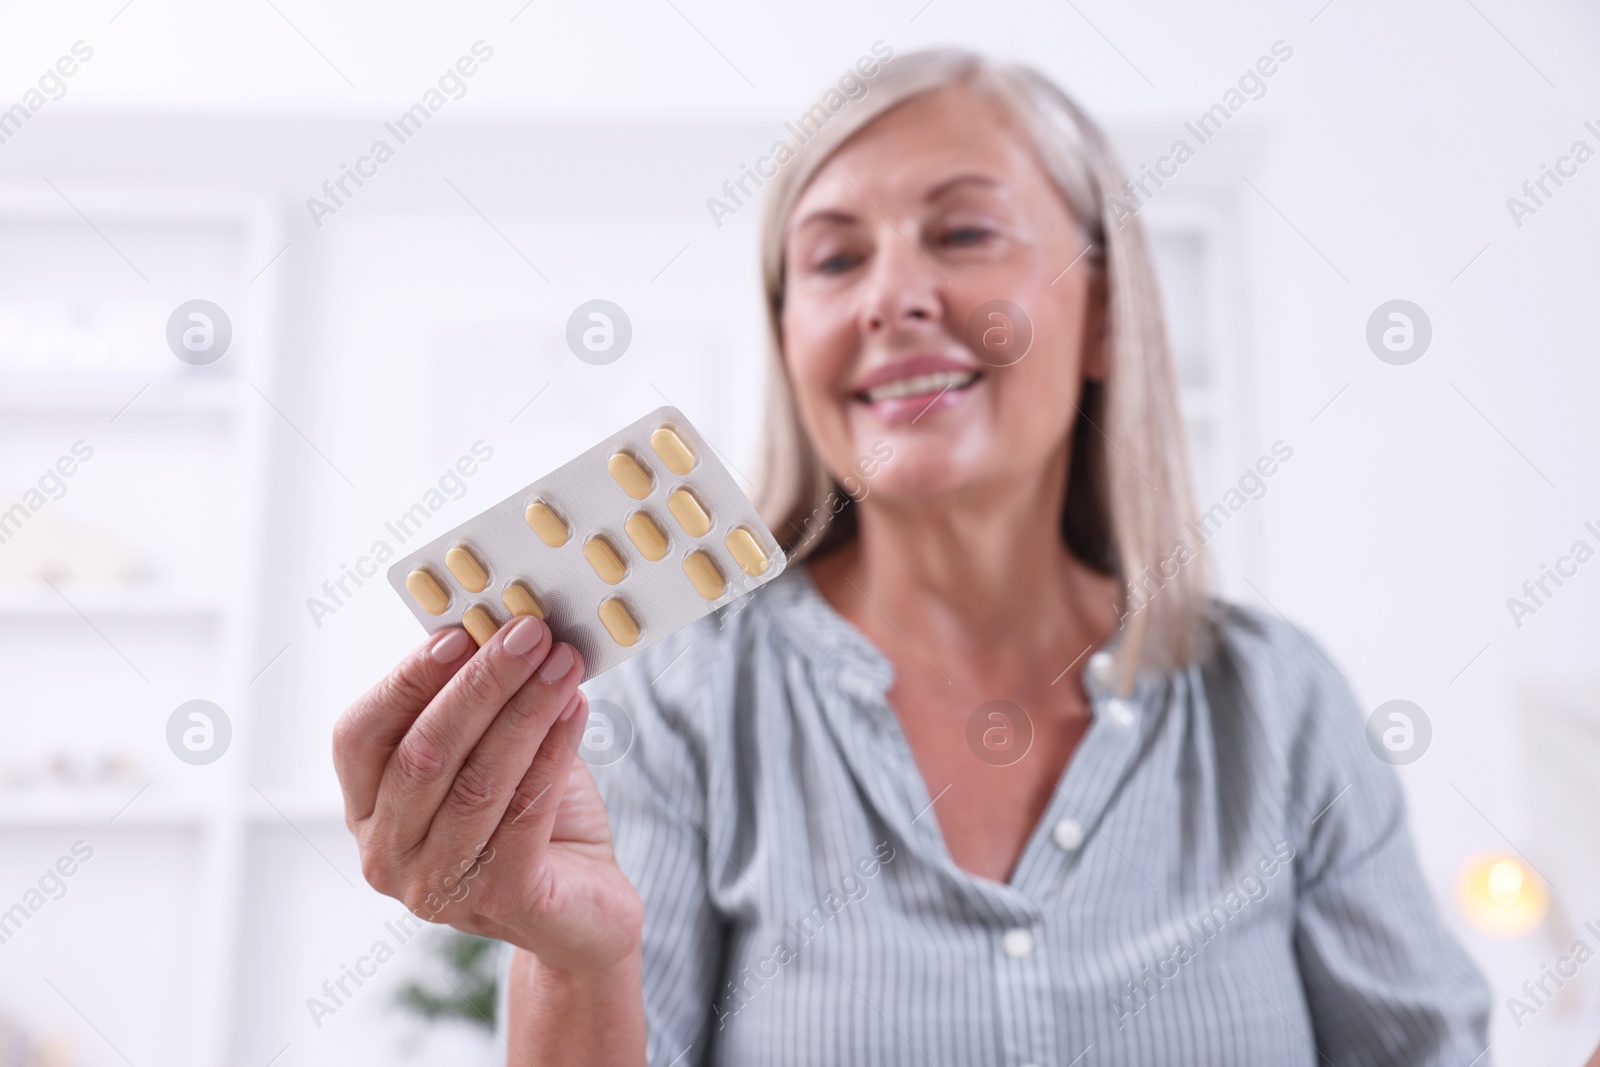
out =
column 471, row 981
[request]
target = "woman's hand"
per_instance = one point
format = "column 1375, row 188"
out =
column 461, row 787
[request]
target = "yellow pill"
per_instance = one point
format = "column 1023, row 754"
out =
column 687, row 510
column 673, row 450
column 704, row 574
column 747, row 552
column 429, row 593
column 646, row 536
column 551, row 528
column 630, row 474
column 479, row 623
column 604, row 559
column 468, row 571
column 619, row 622
column 519, row 601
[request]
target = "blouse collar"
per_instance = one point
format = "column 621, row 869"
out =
column 838, row 649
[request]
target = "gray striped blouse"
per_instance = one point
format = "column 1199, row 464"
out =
column 1223, row 876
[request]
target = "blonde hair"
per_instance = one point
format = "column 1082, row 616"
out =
column 1128, row 486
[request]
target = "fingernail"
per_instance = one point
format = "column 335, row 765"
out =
column 524, row 635
column 452, row 646
column 557, row 664
column 572, row 707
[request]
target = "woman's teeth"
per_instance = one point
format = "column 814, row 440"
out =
column 919, row 384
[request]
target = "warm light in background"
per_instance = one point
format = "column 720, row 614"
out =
column 1501, row 895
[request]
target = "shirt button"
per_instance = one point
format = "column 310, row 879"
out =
column 1120, row 712
column 1068, row 834
column 1018, row 944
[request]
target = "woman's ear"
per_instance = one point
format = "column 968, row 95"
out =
column 1096, row 329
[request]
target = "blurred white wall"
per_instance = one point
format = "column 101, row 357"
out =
column 426, row 313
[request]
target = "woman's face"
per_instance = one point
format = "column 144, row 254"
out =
column 907, row 257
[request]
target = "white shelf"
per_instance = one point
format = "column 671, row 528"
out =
column 118, row 395
column 100, row 808
column 111, row 807
column 42, row 602
column 224, row 237
column 127, row 805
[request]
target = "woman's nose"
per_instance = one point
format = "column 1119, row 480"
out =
column 904, row 289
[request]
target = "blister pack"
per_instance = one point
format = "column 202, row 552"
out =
column 636, row 538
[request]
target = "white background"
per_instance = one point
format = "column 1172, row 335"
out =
column 371, row 352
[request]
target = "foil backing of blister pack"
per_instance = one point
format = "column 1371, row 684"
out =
column 659, row 594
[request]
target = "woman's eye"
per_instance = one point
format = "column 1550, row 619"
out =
column 836, row 263
column 966, row 236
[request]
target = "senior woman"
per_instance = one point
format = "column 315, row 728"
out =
column 985, row 777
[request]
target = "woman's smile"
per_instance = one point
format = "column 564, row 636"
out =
column 908, row 388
